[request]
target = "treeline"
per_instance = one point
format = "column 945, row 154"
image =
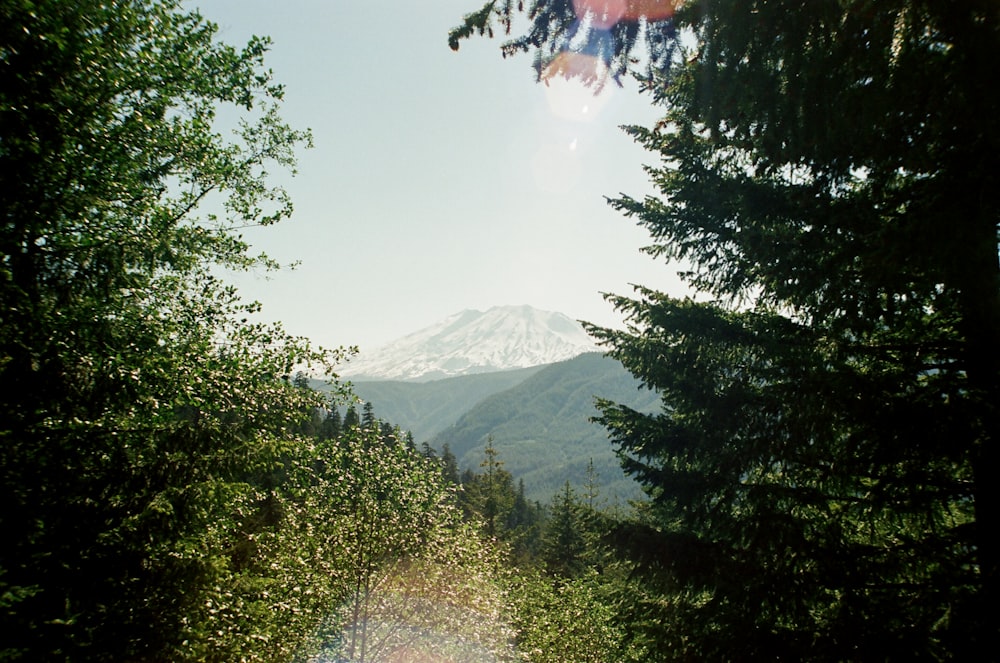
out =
column 547, row 574
column 554, row 536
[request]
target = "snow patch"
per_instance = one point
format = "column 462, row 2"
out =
column 502, row 338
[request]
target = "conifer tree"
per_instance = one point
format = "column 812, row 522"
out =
column 428, row 452
column 351, row 418
column 449, row 465
column 389, row 434
column 490, row 493
column 525, row 523
column 332, row 425
column 565, row 547
column 368, row 420
column 821, row 470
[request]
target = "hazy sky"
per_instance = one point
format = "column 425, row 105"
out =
column 439, row 181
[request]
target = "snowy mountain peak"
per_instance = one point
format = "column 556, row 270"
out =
column 502, row 338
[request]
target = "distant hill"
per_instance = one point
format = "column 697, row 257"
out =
column 470, row 342
column 527, row 377
column 542, row 431
column 427, row 408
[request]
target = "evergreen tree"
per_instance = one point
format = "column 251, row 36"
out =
column 821, row 469
column 368, row 420
column 524, row 523
column 466, row 480
column 389, row 434
column 351, row 418
column 521, row 514
column 490, row 494
column 427, row 451
column 449, row 466
column 301, row 380
column 565, row 547
column 332, row 426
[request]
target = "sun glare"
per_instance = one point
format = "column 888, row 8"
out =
column 569, row 99
column 606, row 13
column 591, row 39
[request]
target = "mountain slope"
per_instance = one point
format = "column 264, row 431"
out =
column 542, row 430
column 502, row 338
column 427, row 408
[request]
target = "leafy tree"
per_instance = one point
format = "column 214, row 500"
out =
column 416, row 580
column 141, row 414
column 821, row 468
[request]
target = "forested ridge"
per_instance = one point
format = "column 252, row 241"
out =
column 539, row 418
column 818, row 473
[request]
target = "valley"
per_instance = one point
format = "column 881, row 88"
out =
column 538, row 417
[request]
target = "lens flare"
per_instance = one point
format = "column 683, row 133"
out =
column 591, row 40
column 606, row 13
column 569, row 99
column 422, row 612
column 572, row 65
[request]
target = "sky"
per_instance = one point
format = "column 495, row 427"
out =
column 439, row 181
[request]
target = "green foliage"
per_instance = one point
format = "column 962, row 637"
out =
column 142, row 416
column 566, row 622
column 489, row 495
column 524, row 525
column 565, row 544
column 822, row 444
column 332, row 425
column 561, row 606
column 368, row 421
column 351, row 417
column 821, row 469
column 412, row 577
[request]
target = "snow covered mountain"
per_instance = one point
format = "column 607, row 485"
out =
column 502, row 338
